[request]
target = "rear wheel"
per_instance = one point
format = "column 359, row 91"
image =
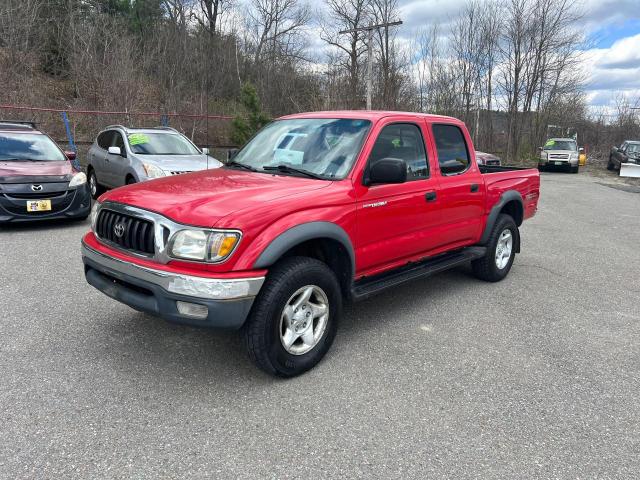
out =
column 94, row 187
column 294, row 319
column 609, row 164
column 501, row 251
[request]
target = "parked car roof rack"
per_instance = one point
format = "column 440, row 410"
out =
column 21, row 124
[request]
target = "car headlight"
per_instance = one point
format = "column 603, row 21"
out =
column 203, row 245
column 574, row 156
column 153, row 171
column 94, row 215
column 78, row 179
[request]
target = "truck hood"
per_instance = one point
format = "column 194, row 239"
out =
column 181, row 163
column 203, row 198
column 36, row 169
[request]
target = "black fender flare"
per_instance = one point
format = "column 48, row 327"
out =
column 302, row 233
column 506, row 197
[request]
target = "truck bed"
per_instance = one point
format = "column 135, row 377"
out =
column 500, row 168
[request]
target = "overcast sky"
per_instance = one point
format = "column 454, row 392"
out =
column 612, row 30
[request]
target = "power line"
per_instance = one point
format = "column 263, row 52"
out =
column 369, row 29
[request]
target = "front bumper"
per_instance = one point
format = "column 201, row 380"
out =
column 228, row 301
column 72, row 203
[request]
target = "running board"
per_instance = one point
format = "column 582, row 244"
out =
column 368, row 287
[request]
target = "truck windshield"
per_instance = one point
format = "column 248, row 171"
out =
column 161, row 143
column 560, row 145
column 28, row 147
column 326, row 147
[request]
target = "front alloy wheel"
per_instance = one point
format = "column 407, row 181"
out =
column 304, row 320
column 294, row 318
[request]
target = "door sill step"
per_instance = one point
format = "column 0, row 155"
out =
column 368, row 287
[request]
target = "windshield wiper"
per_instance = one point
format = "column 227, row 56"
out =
column 241, row 165
column 289, row 169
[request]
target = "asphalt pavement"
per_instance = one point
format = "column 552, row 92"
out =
column 534, row 377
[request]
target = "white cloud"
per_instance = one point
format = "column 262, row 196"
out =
column 613, row 71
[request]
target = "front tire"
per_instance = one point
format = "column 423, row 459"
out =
column 575, row 169
column 610, row 164
column 294, row 319
column 501, row 251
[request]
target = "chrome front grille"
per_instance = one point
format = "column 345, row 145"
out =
column 126, row 231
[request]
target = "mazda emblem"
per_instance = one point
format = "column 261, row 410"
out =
column 118, row 229
column 36, row 188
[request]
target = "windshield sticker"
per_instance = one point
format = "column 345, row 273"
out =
column 138, row 138
column 550, row 143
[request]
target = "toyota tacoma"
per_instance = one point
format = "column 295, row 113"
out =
column 317, row 209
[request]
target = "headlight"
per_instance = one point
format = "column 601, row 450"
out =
column 94, row 215
column 153, row 171
column 574, row 156
column 78, row 179
column 203, row 245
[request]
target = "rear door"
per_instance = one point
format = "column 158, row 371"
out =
column 462, row 188
column 98, row 154
column 396, row 221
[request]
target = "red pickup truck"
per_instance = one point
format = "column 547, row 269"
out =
column 317, row 209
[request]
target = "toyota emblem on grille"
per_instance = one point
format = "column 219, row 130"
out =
column 118, row 229
column 36, row 188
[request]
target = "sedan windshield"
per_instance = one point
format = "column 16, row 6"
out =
column 27, row 147
column 161, row 143
column 323, row 147
column 560, row 145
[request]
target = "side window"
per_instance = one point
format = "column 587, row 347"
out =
column 105, row 139
column 118, row 141
column 404, row 141
column 453, row 155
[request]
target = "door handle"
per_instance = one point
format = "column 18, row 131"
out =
column 474, row 187
column 430, row 196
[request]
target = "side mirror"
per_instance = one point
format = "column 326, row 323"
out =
column 205, row 151
column 115, row 151
column 387, row 170
column 71, row 155
column 231, row 153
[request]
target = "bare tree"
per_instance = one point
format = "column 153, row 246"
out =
column 347, row 15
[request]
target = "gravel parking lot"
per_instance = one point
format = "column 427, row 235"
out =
column 537, row 376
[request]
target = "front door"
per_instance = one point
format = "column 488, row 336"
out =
column 396, row 222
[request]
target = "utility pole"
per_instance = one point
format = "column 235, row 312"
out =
column 369, row 29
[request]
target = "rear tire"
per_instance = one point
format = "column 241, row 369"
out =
column 609, row 164
column 497, row 262
column 286, row 334
column 94, row 187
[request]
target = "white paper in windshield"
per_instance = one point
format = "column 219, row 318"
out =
column 291, row 157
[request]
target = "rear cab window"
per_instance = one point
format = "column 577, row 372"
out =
column 452, row 149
